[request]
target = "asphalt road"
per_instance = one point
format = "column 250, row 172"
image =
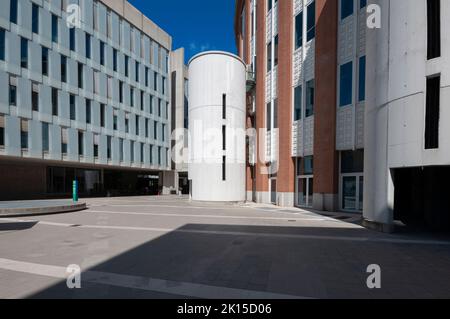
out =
column 168, row 247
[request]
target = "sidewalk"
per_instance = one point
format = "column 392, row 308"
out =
column 39, row 207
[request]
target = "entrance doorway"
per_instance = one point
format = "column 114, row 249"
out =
column 352, row 192
column 273, row 191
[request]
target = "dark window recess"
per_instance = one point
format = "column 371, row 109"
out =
column 434, row 29
column 44, row 61
column 432, row 113
column 224, row 169
column 224, row 106
column 55, row 102
column 352, row 162
column 224, row 137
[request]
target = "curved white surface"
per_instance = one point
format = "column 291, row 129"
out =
column 213, row 74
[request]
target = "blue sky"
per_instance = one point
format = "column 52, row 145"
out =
column 196, row 25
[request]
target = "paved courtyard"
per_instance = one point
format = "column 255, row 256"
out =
column 168, row 247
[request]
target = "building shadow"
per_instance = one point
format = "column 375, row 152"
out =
column 205, row 261
column 7, row 226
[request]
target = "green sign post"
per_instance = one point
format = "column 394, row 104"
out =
column 75, row 191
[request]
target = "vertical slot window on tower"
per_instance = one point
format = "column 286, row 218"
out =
column 224, row 170
column 434, row 29
column 224, row 106
column 432, row 113
column 224, row 137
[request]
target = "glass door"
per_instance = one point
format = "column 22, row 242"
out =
column 305, row 191
column 352, row 192
column 273, row 191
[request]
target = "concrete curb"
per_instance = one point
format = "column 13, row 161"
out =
column 36, row 211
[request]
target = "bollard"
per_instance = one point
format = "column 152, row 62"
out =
column 75, row 191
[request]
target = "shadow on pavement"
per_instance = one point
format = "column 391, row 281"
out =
column 260, row 258
column 12, row 226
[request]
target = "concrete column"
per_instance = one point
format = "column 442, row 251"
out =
column 378, row 185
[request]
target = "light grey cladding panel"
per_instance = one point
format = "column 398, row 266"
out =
column 108, row 56
column 72, row 145
column 12, row 136
column 147, row 49
column 115, row 90
column 89, row 147
column 126, row 31
column 4, row 15
column 95, row 114
column 137, row 43
column 4, row 85
column 35, row 61
column 13, row 52
column 121, row 121
column 147, row 154
column 141, row 132
column 132, row 69
column 88, row 79
column 109, row 118
column 63, row 34
column 72, row 72
column 102, row 19
column 155, row 53
column 95, row 50
column 146, row 103
column 133, row 124
column 45, row 103
column 46, row 27
column 103, row 150
column 115, row 152
column 126, row 94
column 63, row 108
column 55, row 66
column 35, row 139
column 164, row 60
column 24, row 98
column 81, row 42
column 103, row 85
column 126, row 152
column 55, row 142
column 121, row 63
column 115, row 28
column 24, row 15
column 80, row 111
column 87, row 14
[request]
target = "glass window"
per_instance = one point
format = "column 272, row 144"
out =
column 80, row 143
column 2, row 44
column 275, row 113
column 346, row 84
column 24, row 53
column 136, row 71
column 13, row 11
column 2, row 131
column 88, row 45
column 298, row 103
column 63, row 69
column 72, row 107
column 269, row 57
column 311, row 21
column 45, row 137
column 35, row 18
column 127, row 64
column 54, row 28
column 44, row 61
column 352, row 162
column 80, row 75
column 35, row 97
column 349, row 193
column 72, row 39
column 55, row 102
column 346, row 8
column 24, row 134
column 362, row 79
column 276, row 50
column 310, row 91
column 299, row 30
column 308, row 165
column 132, row 97
column 114, row 60
column 102, row 53
column 362, row 3
column 269, row 116
column 102, row 114
column 88, row 111
column 12, row 95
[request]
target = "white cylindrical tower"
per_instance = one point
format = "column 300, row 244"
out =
column 217, row 127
